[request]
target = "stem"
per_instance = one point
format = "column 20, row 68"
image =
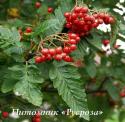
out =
column 76, row 2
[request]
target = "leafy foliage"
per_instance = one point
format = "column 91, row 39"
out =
column 10, row 40
column 94, row 84
column 66, row 79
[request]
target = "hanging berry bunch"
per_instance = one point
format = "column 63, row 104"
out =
column 81, row 20
column 57, row 47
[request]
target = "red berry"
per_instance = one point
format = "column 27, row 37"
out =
column 67, row 14
column 5, row 114
column 105, row 42
column 95, row 15
column 37, row 120
column 111, row 20
column 68, row 25
column 38, row 59
column 66, row 50
column 81, row 15
column 84, row 10
column 122, row 94
column 73, row 47
column 77, row 9
column 52, row 52
column 101, row 15
column 72, row 36
column 63, row 55
column 45, row 51
column 100, row 21
column 77, row 38
column 59, row 50
column 28, row 30
column 95, row 25
column 58, row 57
column 48, row 57
column 37, row 4
column 50, row 10
column 68, row 59
column 87, row 18
column 74, row 16
column 72, row 41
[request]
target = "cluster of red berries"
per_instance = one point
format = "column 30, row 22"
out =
column 37, row 117
column 59, row 53
column 80, row 20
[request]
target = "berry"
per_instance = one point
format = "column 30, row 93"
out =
column 52, row 52
column 37, row 120
column 28, row 30
column 100, row 21
column 111, row 20
column 122, row 94
column 48, row 57
column 38, row 59
column 45, row 51
column 67, row 14
column 95, row 25
column 5, row 114
column 73, row 47
column 66, row 50
column 50, row 10
column 72, row 41
column 84, row 10
column 37, row 4
column 77, row 38
column 59, row 50
column 74, row 16
column 63, row 55
column 68, row 25
column 101, row 15
column 68, row 59
column 105, row 42
column 58, row 57
column 72, row 36
column 77, row 9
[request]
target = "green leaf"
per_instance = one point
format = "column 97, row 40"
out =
column 24, row 80
column 67, row 81
column 10, row 40
column 9, row 79
column 8, row 85
column 29, row 91
column 66, row 5
column 95, row 40
column 112, row 90
column 90, row 66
